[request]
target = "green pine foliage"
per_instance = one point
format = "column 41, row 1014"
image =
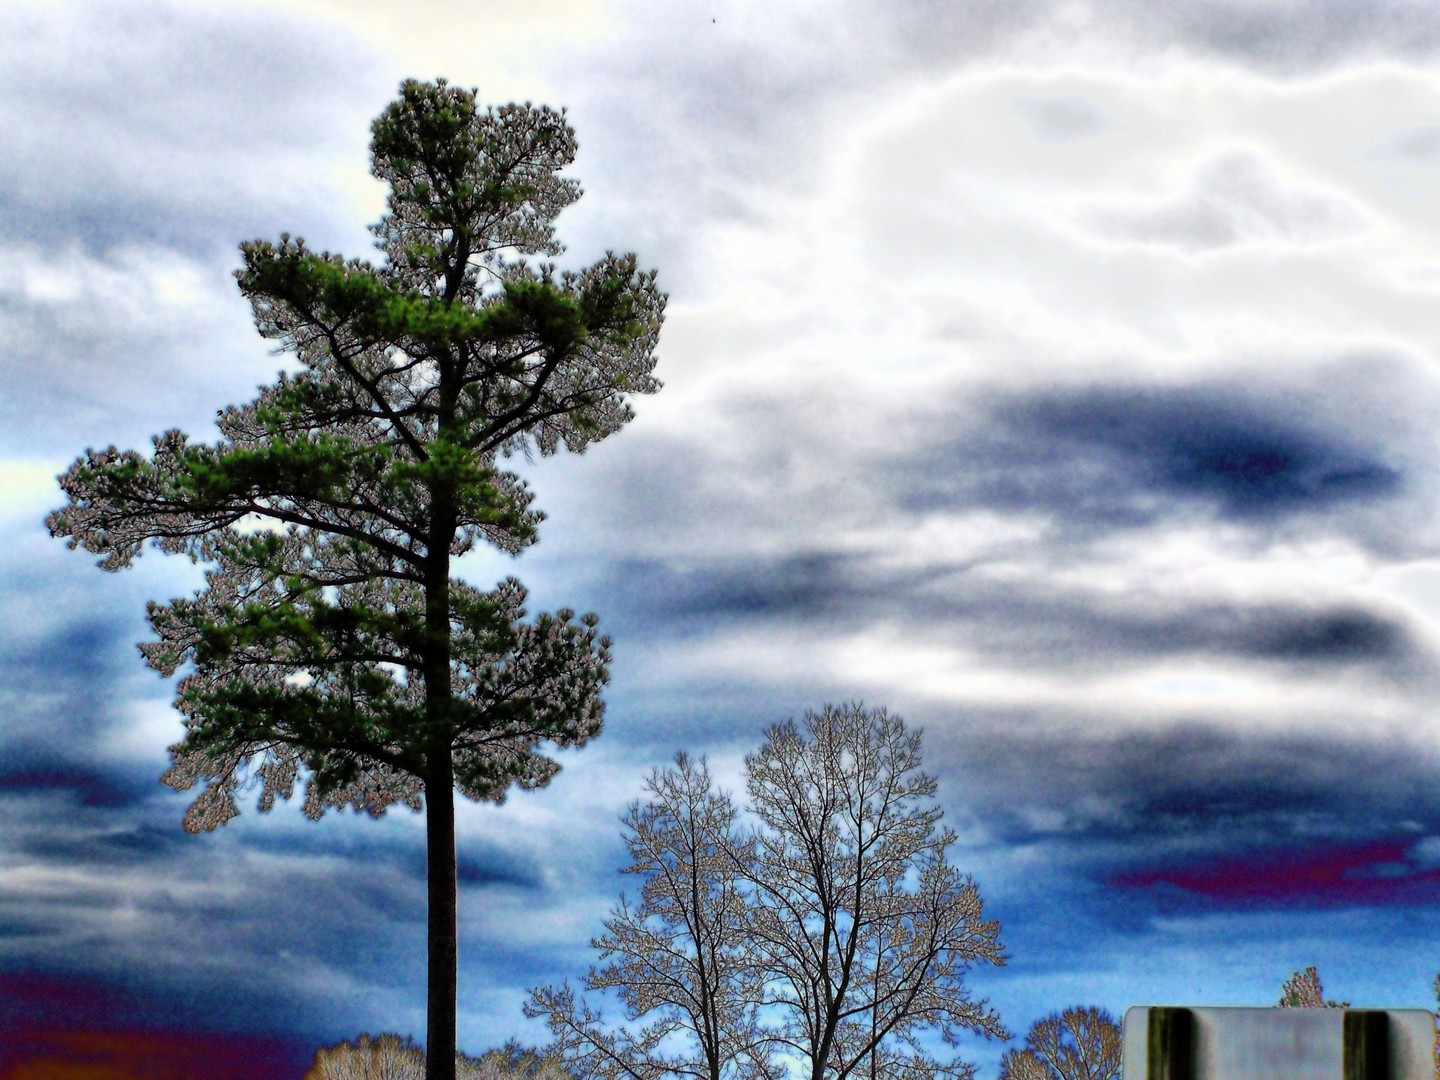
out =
column 1303, row 991
column 332, row 638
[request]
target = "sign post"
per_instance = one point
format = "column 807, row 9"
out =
column 1216, row 1043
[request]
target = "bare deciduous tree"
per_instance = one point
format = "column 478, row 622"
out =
column 863, row 928
column 836, row 932
column 680, row 955
column 1077, row 1044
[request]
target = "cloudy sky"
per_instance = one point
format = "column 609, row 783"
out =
column 1059, row 374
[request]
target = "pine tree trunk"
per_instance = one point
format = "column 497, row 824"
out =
column 442, row 934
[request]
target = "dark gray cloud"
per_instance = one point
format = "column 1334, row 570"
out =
column 1284, row 38
column 73, row 675
column 1419, row 144
column 1156, row 795
column 1235, row 198
column 1295, row 38
column 90, row 786
column 1193, row 444
column 238, row 924
column 1017, row 624
column 1103, row 458
column 1044, row 627
column 1274, row 450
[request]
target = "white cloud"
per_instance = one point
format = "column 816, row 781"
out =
column 28, row 488
column 505, row 47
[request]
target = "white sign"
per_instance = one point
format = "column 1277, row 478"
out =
column 1212, row 1043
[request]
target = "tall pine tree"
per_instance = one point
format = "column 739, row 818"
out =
column 333, row 637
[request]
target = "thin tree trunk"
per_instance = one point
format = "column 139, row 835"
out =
column 442, row 939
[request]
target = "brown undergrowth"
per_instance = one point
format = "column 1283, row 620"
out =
column 389, row 1057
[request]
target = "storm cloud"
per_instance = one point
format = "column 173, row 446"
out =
column 1111, row 457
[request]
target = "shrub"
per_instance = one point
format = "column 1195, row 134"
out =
column 388, row 1057
column 515, row 1062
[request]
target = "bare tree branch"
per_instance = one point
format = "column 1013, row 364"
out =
column 1077, row 1044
